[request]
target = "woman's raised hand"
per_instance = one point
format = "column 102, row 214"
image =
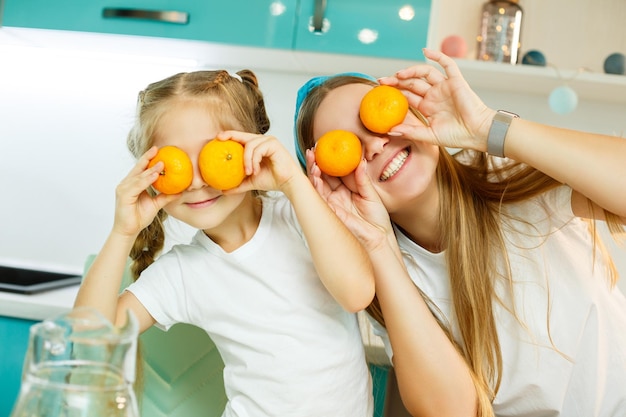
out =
column 457, row 117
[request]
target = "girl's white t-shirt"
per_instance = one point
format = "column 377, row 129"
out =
column 567, row 356
column 289, row 348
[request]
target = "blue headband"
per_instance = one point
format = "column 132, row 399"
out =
column 304, row 91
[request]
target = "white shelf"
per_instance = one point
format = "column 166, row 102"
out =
column 527, row 79
column 523, row 79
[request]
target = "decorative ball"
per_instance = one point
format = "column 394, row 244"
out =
column 454, row 46
column 534, row 57
column 614, row 64
column 563, row 100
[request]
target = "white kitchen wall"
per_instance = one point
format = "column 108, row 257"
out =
column 63, row 124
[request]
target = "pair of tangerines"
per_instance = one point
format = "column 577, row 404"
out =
column 337, row 152
column 220, row 163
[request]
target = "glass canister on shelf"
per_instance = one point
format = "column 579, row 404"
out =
column 500, row 28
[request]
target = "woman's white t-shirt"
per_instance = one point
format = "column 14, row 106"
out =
column 570, row 359
column 288, row 347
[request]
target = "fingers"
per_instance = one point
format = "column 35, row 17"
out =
column 144, row 160
column 419, row 77
column 140, row 177
column 413, row 88
column 364, row 185
column 256, row 146
column 448, row 64
column 314, row 172
column 134, row 207
column 318, row 184
column 417, row 132
column 268, row 165
column 255, row 149
column 309, row 157
column 163, row 200
column 426, row 72
column 430, row 73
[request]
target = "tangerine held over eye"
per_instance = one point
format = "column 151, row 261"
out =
column 177, row 173
column 382, row 108
column 338, row 152
column 221, row 164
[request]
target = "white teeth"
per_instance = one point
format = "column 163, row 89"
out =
column 394, row 166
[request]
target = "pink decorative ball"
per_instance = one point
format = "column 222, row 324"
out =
column 454, row 46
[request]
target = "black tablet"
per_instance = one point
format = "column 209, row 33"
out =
column 32, row 281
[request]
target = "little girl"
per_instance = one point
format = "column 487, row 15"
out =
column 275, row 279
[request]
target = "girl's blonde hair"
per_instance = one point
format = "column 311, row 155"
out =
column 234, row 102
column 472, row 193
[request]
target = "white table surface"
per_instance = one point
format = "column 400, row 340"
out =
column 52, row 303
column 39, row 306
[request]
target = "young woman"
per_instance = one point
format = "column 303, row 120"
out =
column 502, row 253
column 273, row 279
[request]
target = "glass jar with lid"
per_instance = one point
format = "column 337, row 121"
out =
column 500, row 29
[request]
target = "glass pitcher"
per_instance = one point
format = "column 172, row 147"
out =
column 79, row 365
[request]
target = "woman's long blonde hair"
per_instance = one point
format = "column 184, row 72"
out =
column 235, row 101
column 472, row 193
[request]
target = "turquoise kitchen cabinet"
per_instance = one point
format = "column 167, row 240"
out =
column 263, row 23
column 13, row 344
column 389, row 29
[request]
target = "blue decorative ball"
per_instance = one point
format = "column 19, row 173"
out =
column 614, row 64
column 534, row 57
column 563, row 100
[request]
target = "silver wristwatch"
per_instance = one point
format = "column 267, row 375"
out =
column 497, row 132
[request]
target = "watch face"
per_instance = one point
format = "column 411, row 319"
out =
column 508, row 113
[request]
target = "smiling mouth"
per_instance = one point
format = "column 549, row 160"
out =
column 394, row 166
column 201, row 204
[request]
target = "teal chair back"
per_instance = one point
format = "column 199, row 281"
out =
column 180, row 372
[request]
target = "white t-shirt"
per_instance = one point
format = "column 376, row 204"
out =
column 288, row 347
column 575, row 366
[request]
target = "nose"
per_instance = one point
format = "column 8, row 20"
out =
column 373, row 145
column 197, row 182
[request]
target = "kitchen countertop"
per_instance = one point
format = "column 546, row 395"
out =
column 51, row 303
column 39, row 306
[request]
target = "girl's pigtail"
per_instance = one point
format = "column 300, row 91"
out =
column 148, row 245
column 261, row 118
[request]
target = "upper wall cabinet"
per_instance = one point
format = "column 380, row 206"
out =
column 264, row 23
column 389, row 29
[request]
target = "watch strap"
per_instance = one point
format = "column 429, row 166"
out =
column 497, row 132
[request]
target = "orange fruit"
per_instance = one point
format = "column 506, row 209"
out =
column 382, row 108
column 338, row 152
column 221, row 164
column 177, row 173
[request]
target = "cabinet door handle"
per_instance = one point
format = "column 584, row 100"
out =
column 318, row 15
column 169, row 16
